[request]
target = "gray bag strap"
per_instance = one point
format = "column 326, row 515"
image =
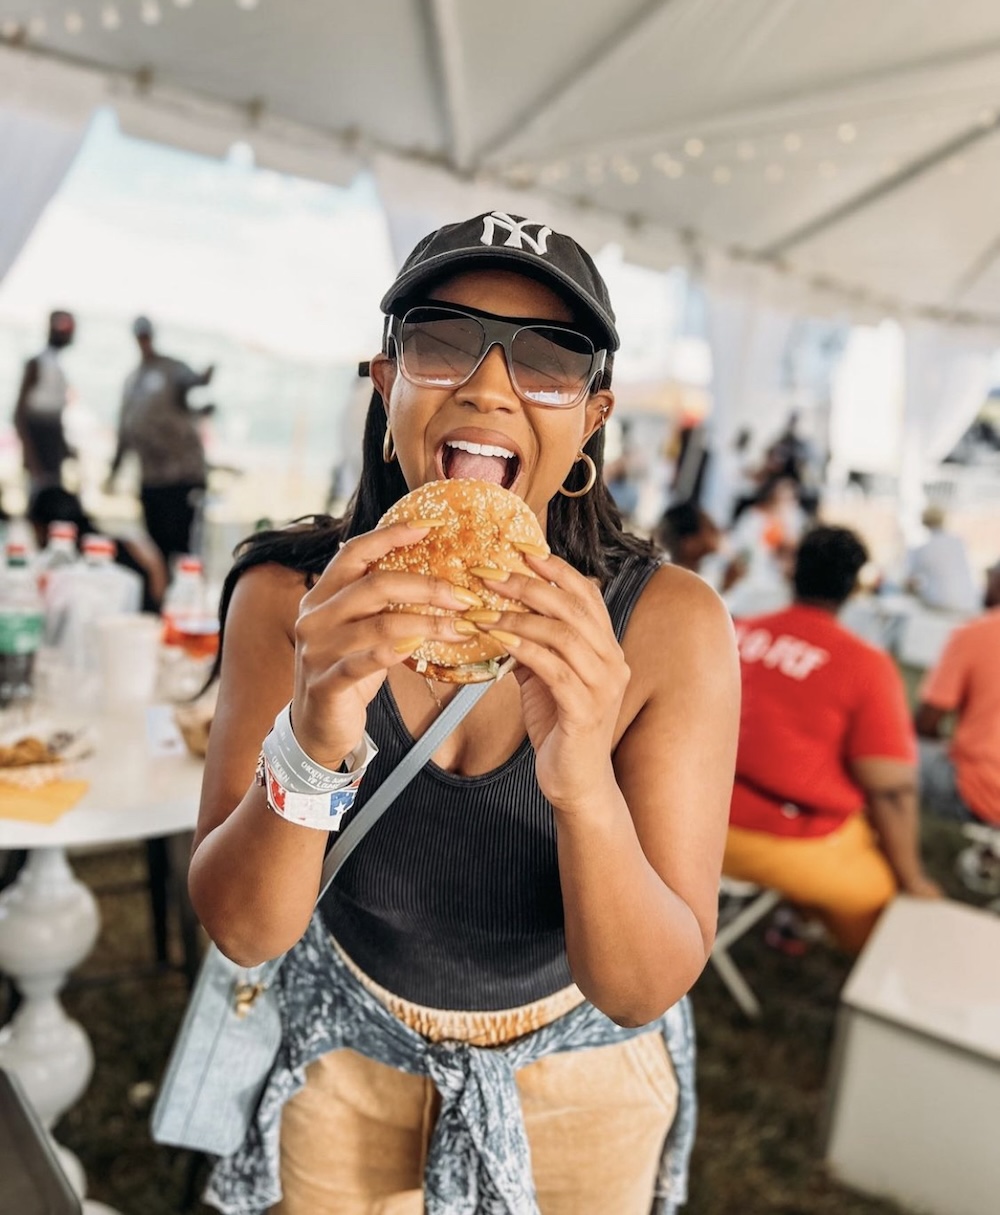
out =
column 387, row 792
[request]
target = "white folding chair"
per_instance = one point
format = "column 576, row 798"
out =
column 754, row 902
column 923, row 636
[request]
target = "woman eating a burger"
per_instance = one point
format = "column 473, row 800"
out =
column 516, row 934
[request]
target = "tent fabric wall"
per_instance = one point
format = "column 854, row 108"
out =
column 748, row 338
column 947, row 376
column 35, row 153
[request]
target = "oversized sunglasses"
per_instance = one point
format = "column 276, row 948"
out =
column 442, row 346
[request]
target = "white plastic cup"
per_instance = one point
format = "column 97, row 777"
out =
column 129, row 652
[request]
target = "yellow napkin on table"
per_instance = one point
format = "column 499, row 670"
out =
column 44, row 803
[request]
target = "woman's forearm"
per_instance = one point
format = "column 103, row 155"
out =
column 634, row 946
column 254, row 879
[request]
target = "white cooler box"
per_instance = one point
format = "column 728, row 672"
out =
column 914, row 1111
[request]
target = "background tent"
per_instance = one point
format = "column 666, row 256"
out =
column 813, row 159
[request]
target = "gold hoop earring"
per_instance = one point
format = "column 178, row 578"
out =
column 388, row 450
column 591, row 478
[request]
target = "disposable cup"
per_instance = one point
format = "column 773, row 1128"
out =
column 129, row 651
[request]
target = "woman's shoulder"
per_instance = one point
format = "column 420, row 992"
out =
column 268, row 592
column 677, row 608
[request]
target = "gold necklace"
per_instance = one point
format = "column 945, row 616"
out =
column 434, row 696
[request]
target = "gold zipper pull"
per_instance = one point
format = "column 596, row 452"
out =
column 245, row 995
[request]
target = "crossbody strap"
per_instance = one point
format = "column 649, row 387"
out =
column 388, row 791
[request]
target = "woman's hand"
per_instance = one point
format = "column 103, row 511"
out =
column 572, row 674
column 346, row 638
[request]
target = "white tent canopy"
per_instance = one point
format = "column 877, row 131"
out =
column 853, row 148
column 839, row 159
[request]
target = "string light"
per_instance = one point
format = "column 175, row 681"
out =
column 246, row 5
column 150, row 12
column 183, row 3
column 667, row 165
column 73, row 22
column 554, row 173
column 694, row 147
column 9, row 30
column 625, row 170
column 847, row 132
column 110, row 17
column 792, row 142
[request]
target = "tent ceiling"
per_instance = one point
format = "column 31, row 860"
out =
column 852, row 145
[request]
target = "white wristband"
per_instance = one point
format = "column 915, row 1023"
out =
column 322, row 811
column 298, row 773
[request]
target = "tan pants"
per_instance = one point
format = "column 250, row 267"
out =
column 354, row 1140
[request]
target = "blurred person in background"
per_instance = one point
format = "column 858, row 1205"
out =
column 824, row 805
column 740, row 475
column 695, row 542
column 56, row 505
column 939, row 571
column 688, row 534
column 160, row 426
column 41, row 402
column 763, row 542
column 962, row 780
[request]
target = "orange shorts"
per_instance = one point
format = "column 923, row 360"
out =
column 843, row 877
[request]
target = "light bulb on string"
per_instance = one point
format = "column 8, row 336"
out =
column 694, row 147
column 150, row 12
column 111, row 19
column 73, row 22
column 847, row 132
column 9, row 30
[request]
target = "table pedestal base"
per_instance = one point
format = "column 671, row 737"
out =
column 48, row 924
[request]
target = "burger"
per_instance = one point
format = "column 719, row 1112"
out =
column 481, row 526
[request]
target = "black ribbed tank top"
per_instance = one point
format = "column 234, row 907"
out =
column 452, row 900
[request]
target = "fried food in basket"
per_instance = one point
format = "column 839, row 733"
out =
column 26, row 751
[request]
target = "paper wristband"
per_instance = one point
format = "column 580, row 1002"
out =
column 298, row 773
column 322, row 811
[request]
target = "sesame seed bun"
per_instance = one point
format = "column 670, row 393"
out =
column 481, row 526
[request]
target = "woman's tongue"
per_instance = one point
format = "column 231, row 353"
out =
column 463, row 465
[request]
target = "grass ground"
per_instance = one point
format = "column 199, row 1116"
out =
column 762, row 1087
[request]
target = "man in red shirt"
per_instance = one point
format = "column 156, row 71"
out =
column 963, row 781
column 824, row 805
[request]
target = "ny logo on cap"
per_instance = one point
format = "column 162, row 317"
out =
column 517, row 237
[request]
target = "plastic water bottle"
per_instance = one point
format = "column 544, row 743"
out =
column 22, row 622
column 59, row 553
column 77, row 597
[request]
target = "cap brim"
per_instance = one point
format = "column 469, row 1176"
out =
column 458, row 260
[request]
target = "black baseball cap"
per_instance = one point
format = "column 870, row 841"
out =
column 500, row 241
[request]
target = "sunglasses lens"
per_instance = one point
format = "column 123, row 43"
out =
column 441, row 348
column 551, row 366
column 438, row 348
